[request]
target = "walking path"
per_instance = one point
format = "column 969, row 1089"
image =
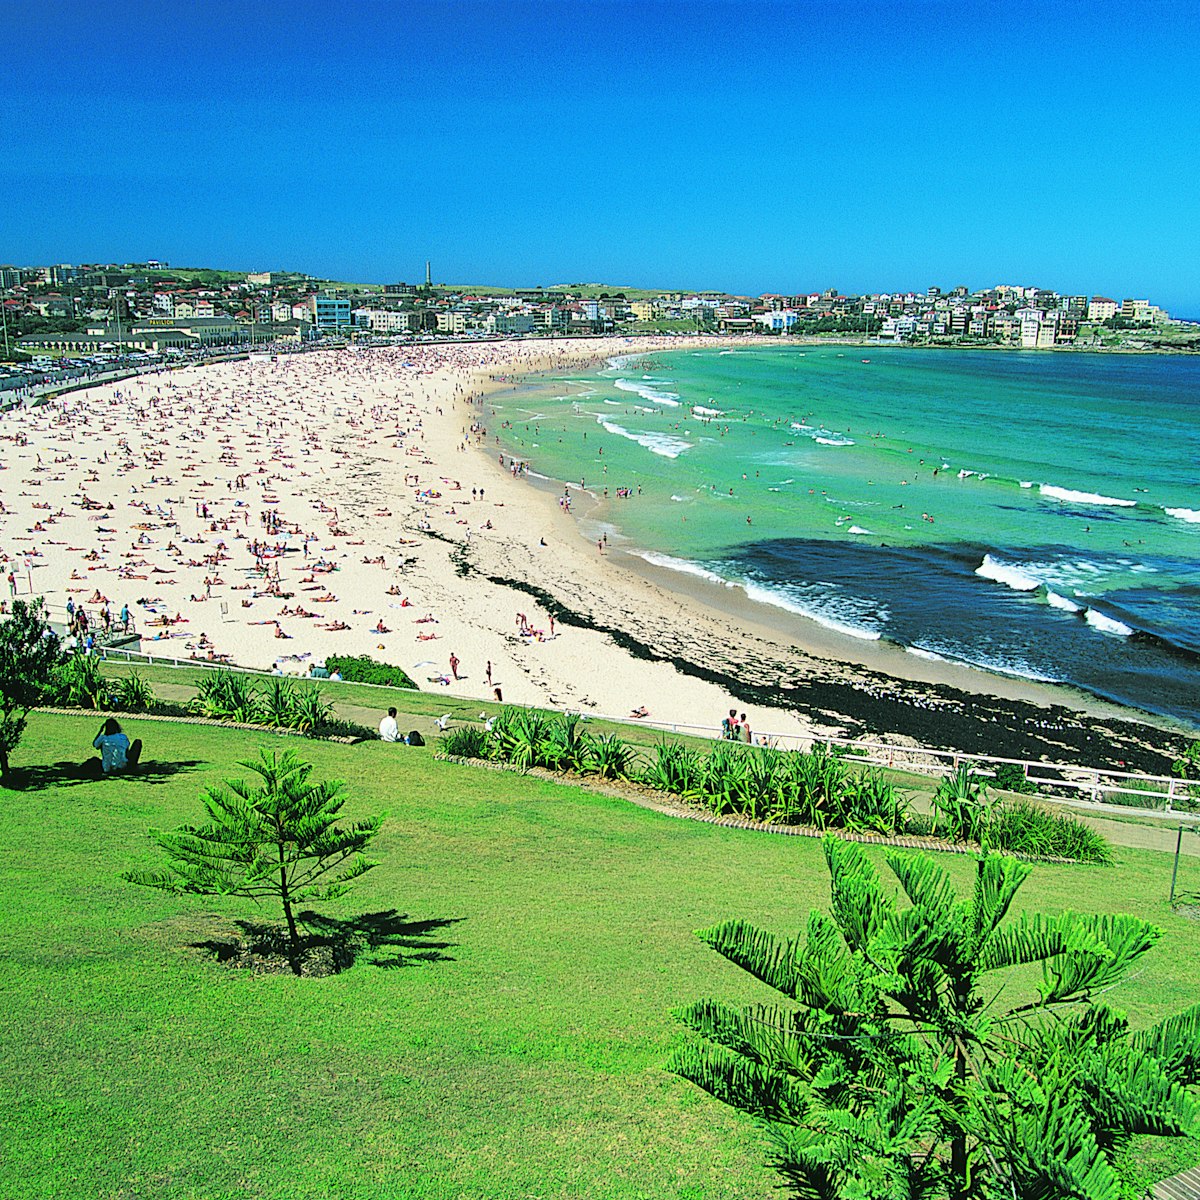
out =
column 1184, row 1186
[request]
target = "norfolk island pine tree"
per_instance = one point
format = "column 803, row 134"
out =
column 894, row 1072
column 277, row 839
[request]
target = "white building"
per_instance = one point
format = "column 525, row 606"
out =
column 382, row 320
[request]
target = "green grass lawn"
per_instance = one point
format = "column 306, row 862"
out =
column 507, row 1043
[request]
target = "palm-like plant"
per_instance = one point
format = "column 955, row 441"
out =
column 889, row 1070
column 78, row 682
column 309, row 710
column 518, row 735
column 466, row 741
column 564, row 747
column 961, row 805
column 227, row 696
column 673, row 768
column 609, row 757
column 277, row 702
column 871, row 803
column 133, row 693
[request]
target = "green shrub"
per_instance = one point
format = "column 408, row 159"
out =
column 672, row 768
column 1026, row 828
column 76, row 682
column 873, row 804
column 363, row 669
column 1011, row 778
column 227, row 696
column 565, row 747
column 609, row 757
column 310, row 710
column 467, row 741
column 133, row 694
column 277, row 703
column 961, row 805
column 518, row 735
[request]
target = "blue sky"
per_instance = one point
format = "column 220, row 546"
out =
column 745, row 146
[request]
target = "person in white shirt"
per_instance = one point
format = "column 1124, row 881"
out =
column 389, row 731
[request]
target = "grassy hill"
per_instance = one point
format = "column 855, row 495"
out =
column 504, row 1038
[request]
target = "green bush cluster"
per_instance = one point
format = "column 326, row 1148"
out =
column 77, row 682
column 785, row 787
column 1011, row 778
column 363, row 669
column 964, row 810
column 1025, row 828
column 230, row 696
column 789, row 787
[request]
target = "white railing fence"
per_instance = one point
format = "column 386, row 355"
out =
column 1088, row 788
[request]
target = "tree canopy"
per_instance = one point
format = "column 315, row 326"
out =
column 28, row 652
column 275, row 839
column 893, row 1072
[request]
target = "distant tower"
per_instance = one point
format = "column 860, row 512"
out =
column 428, row 280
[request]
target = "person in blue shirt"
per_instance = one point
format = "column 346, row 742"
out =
column 116, row 751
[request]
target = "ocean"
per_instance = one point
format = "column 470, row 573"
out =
column 1033, row 514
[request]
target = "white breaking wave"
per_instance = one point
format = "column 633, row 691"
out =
column 683, row 566
column 918, row 652
column 1069, row 494
column 1061, row 602
column 648, row 393
column 822, row 436
column 1008, row 574
column 706, row 412
column 768, row 596
column 1097, row 620
column 677, row 499
column 663, row 444
column 859, row 529
column 1017, row 669
column 1190, row 515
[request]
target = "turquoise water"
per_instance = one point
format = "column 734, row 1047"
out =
column 1035, row 514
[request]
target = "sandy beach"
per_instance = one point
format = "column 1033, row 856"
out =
column 274, row 512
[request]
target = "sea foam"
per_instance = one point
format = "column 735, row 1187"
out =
column 648, row 393
column 1190, row 515
column 822, row 436
column 765, row 595
column 1008, row 574
column 1097, row 620
column 1051, row 492
column 663, row 444
column 670, row 563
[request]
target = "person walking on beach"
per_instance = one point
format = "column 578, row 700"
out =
column 454, row 665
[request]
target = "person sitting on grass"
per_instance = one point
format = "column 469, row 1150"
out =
column 389, row 731
column 117, row 753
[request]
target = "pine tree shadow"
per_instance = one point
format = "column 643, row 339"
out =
column 40, row 776
column 384, row 939
column 392, row 939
